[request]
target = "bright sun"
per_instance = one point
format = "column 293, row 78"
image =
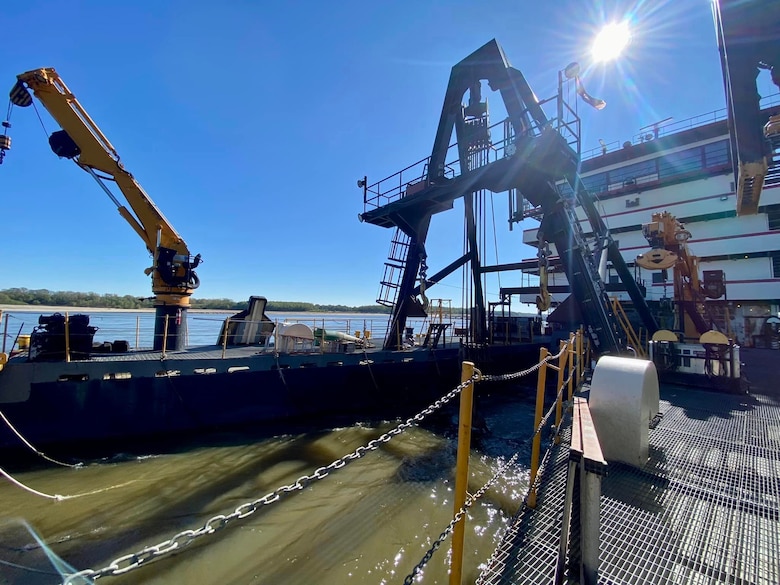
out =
column 612, row 39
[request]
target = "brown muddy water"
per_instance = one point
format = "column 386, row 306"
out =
column 371, row 521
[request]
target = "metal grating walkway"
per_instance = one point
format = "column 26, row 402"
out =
column 705, row 508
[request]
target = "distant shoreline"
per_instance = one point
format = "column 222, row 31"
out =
column 56, row 309
column 74, row 310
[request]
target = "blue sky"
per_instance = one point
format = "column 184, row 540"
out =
column 248, row 123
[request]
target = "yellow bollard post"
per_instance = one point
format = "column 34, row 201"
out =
column 5, row 331
column 536, row 446
column 67, row 337
column 579, row 357
column 570, row 367
column 224, row 337
column 165, row 337
column 462, row 470
column 559, row 391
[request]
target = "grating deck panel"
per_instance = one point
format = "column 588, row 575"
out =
column 704, row 509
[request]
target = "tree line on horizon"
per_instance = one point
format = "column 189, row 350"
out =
column 91, row 300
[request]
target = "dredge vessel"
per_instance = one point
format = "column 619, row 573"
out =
column 62, row 391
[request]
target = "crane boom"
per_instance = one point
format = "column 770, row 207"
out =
column 173, row 275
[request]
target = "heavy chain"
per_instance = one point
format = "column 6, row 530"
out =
column 549, row 412
column 470, row 499
column 129, row 562
column 531, row 370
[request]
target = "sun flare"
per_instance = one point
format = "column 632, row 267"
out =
column 611, row 41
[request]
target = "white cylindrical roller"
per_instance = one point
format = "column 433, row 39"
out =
column 623, row 400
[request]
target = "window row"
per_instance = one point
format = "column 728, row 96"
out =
column 707, row 157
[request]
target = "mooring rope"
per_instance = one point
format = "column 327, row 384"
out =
column 32, row 448
column 58, row 497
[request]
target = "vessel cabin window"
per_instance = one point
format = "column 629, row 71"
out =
column 773, row 217
column 716, row 154
column 712, row 157
column 596, row 184
column 635, row 174
column 680, row 162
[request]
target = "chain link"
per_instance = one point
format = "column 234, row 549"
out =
column 470, row 499
column 531, row 370
column 132, row 561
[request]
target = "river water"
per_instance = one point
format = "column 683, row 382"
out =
column 371, row 521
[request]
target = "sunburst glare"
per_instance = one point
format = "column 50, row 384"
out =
column 611, row 41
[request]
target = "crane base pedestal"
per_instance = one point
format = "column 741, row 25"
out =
column 170, row 328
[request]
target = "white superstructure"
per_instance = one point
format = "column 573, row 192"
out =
column 686, row 169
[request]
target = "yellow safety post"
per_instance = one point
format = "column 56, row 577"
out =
column 165, row 337
column 5, row 331
column 462, row 470
column 570, row 366
column 536, row 446
column 224, row 337
column 587, row 353
column 67, row 337
column 559, row 390
column 579, row 357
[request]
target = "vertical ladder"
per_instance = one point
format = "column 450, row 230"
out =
column 394, row 269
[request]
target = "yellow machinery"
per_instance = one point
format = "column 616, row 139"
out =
column 668, row 239
column 172, row 271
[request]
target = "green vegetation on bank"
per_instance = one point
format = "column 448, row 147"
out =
column 26, row 297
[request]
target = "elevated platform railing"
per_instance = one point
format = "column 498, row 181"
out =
column 412, row 179
column 668, row 127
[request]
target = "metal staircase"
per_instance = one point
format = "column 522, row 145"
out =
column 634, row 338
column 584, row 278
column 394, row 269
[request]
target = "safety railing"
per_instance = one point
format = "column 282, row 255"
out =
column 199, row 330
column 670, row 126
column 412, row 179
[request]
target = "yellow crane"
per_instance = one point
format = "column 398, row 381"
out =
column 173, row 268
column 668, row 239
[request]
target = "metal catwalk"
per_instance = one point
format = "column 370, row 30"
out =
column 704, row 509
